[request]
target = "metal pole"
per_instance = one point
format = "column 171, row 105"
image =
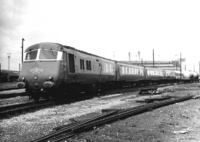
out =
column 129, row 56
column 176, row 61
column 22, row 48
column 153, row 57
column 139, row 56
column 9, row 54
column 180, row 66
column 136, row 59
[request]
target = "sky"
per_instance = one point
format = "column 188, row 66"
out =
column 108, row 28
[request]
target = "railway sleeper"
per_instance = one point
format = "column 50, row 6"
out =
column 69, row 131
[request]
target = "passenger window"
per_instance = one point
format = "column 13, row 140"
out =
column 82, row 67
column 88, row 65
column 71, row 63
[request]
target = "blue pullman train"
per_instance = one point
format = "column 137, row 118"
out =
column 52, row 69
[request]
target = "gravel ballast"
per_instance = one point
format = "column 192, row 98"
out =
column 177, row 122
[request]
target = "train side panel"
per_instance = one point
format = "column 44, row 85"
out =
column 170, row 76
column 154, row 74
column 130, row 73
column 86, row 69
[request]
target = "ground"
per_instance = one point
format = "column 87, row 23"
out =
column 179, row 122
column 174, row 123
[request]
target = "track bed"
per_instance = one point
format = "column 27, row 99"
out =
column 160, row 124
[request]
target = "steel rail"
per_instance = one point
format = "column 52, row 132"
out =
column 7, row 107
column 72, row 127
column 6, row 89
column 123, row 114
column 104, row 119
column 12, row 95
column 62, row 137
column 131, row 111
column 10, row 109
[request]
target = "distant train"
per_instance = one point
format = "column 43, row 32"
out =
column 52, row 69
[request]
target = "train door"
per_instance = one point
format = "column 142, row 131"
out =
column 117, row 71
column 65, row 65
column 71, row 65
column 99, row 68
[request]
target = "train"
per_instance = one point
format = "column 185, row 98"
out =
column 50, row 70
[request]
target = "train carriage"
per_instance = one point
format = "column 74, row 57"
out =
column 86, row 70
column 154, row 75
column 52, row 69
column 130, row 73
column 49, row 68
column 170, row 76
column 195, row 77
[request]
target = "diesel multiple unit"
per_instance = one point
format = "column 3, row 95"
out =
column 51, row 69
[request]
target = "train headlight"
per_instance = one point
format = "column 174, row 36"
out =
column 50, row 78
column 23, row 78
column 35, row 77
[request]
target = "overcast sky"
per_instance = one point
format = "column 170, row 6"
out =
column 108, row 28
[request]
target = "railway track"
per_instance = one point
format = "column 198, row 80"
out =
column 23, row 107
column 12, row 93
column 68, row 131
column 128, row 89
column 9, row 110
column 9, row 88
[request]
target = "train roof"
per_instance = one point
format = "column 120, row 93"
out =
column 129, row 64
column 44, row 45
column 68, row 47
column 59, row 47
column 153, row 68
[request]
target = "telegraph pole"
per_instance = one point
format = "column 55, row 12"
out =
column 22, row 48
column 180, row 67
column 153, row 57
column 139, row 55
column 9, row 54
column 129, row 56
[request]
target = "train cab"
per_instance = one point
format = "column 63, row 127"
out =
column 41, row 69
